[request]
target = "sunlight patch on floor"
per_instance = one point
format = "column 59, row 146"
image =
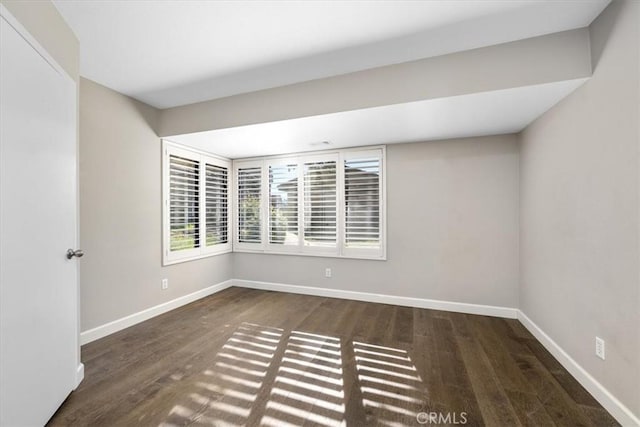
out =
column 267, row 376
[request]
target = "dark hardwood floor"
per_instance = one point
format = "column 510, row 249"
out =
column 248, row 357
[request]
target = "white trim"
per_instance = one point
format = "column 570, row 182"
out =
column 141, row 316
column 178, row 145
column 616, row 408
column 458, row 307
column 79, row 374
column 297, row 252
column 196, row 257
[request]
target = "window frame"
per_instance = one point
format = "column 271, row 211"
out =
column 340, row 251
column 168, row 257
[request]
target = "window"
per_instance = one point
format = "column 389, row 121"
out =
column 184, row 203
column 216, row 204
column 362, row 197
column 320, row 217
column 327, row 204
column 249, row 204
column 283, row 205
column 196, row 204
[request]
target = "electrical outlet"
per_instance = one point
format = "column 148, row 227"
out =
column 165, row 284
column 600, row 348
column 327, row 272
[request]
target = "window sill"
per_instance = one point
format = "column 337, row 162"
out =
column 166, row 262
column 309, row 254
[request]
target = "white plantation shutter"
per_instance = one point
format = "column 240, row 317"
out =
column 325, row 204
column 362, row 202
column 283, row 205
column 196, row 207
column 184, row 203
column 320, row 204
column 216, row 205
column 249, row 205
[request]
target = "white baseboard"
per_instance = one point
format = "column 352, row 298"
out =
column 458, row 307
column 79, row 374
column 135, row 318
column 616, row 408
column 141, row 316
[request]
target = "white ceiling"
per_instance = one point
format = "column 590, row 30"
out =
column 488, row 113
column 169, row 53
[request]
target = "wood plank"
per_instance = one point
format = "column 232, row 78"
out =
column 504, row 366
column 254, row 357
column 560, row 407
column 529, row 409
column 494, row 404
column 573, row 388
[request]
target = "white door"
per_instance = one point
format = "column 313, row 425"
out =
column 38, row 223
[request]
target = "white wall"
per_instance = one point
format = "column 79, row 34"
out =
column 452, row 229
column 579, row 211
column 121, row 215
